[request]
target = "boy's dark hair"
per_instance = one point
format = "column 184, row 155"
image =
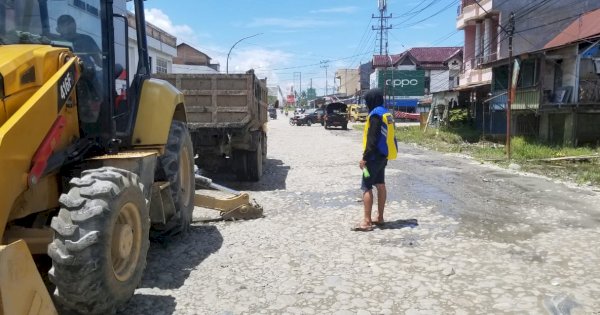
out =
column 373, row 98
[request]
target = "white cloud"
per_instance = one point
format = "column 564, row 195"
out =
column 348, row 10
column 242, row 58
column 183, row 32
column 290, row 23
column 263, row 62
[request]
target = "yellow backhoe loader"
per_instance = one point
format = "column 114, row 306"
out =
column 95, row 156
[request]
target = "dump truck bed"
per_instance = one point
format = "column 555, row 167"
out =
column 222, row 101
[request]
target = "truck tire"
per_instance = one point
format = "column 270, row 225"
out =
column 254, row 162
column 177, row 165
column 264, row 148
column 345, row 126
column 100, row 242
column 239, row 165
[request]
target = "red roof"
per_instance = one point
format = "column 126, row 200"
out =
column 386, row 60
column 585, row 26
column 434, row 54
column 429, row 57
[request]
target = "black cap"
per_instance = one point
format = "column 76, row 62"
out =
column 373, row 98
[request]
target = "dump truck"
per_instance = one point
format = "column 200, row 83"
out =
column 91, row 164
column 227, row 116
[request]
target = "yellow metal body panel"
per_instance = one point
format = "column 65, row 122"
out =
column 158, row 104
column 26, row 67
column 21, row 288
column 22, row 133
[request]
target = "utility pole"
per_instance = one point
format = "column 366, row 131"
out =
column 509, row 94
column 325, row 64
column 383, row 25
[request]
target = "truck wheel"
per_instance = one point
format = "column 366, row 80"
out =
column 254, row 162
column 345, row 126
column 239, row 165
column 177, row 166
column 264, row 148
column 100, row 242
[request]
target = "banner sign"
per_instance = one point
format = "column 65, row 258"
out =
column 402, row 82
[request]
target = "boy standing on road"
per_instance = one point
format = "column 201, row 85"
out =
column 379, row 146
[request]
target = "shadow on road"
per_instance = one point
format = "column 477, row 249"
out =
column 399, row 224
column 275, row 174
column 171, row 260
column 149, row 304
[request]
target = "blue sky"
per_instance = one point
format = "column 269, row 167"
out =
column 296, row 35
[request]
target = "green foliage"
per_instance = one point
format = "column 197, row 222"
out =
column 459, row 116
column 526, row 152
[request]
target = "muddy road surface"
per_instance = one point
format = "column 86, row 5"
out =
column 462, row 238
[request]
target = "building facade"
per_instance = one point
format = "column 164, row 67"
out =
column 194, row 59
column 414, row 75
column 349, row 81
column 161, row 48
column 484, row 76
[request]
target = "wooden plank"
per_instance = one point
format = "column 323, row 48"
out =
column 567, row 158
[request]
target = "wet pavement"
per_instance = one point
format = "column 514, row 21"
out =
column 461, row 238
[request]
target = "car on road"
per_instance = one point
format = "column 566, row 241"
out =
column 272, row 112
column 336, row 115
column 315, row 115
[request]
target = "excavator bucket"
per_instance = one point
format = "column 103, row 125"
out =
column 22, row 290
column 238, row 207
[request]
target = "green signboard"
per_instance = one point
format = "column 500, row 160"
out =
column 311, row 94
column 402, row 82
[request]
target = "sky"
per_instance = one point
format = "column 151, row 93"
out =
column 296, row 36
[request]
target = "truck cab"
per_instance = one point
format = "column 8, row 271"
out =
column 357, row 112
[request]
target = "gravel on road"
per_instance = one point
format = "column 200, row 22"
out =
column 462, row 238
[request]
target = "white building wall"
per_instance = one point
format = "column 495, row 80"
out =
column 440, row 80
column 156, row 50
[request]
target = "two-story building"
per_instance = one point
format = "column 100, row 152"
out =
column 484, row 76
column 161, row 48
column 349, row 81
column 192, row 60
column 416, row 74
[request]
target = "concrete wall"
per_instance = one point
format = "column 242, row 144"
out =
column 156, row 50
column 349, row 80
column 439, row 81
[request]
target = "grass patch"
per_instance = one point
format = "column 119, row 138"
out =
column 524, row 152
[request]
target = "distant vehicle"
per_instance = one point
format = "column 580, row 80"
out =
column 358, row 112
column 336, row 114
column 315, row 115
column 272, row 112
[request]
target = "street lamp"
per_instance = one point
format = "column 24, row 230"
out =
column 227, row 64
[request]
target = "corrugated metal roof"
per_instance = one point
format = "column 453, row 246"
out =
column 430, row 57
column 434, row 54
column 585, row 26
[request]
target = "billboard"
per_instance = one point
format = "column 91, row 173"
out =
column 402, row 82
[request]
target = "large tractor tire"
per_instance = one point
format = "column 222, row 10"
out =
column 100, row 242
column 177, row 165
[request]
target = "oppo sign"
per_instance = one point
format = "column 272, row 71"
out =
column 402, row 82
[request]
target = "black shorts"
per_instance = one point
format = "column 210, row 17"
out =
column 376, row 169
